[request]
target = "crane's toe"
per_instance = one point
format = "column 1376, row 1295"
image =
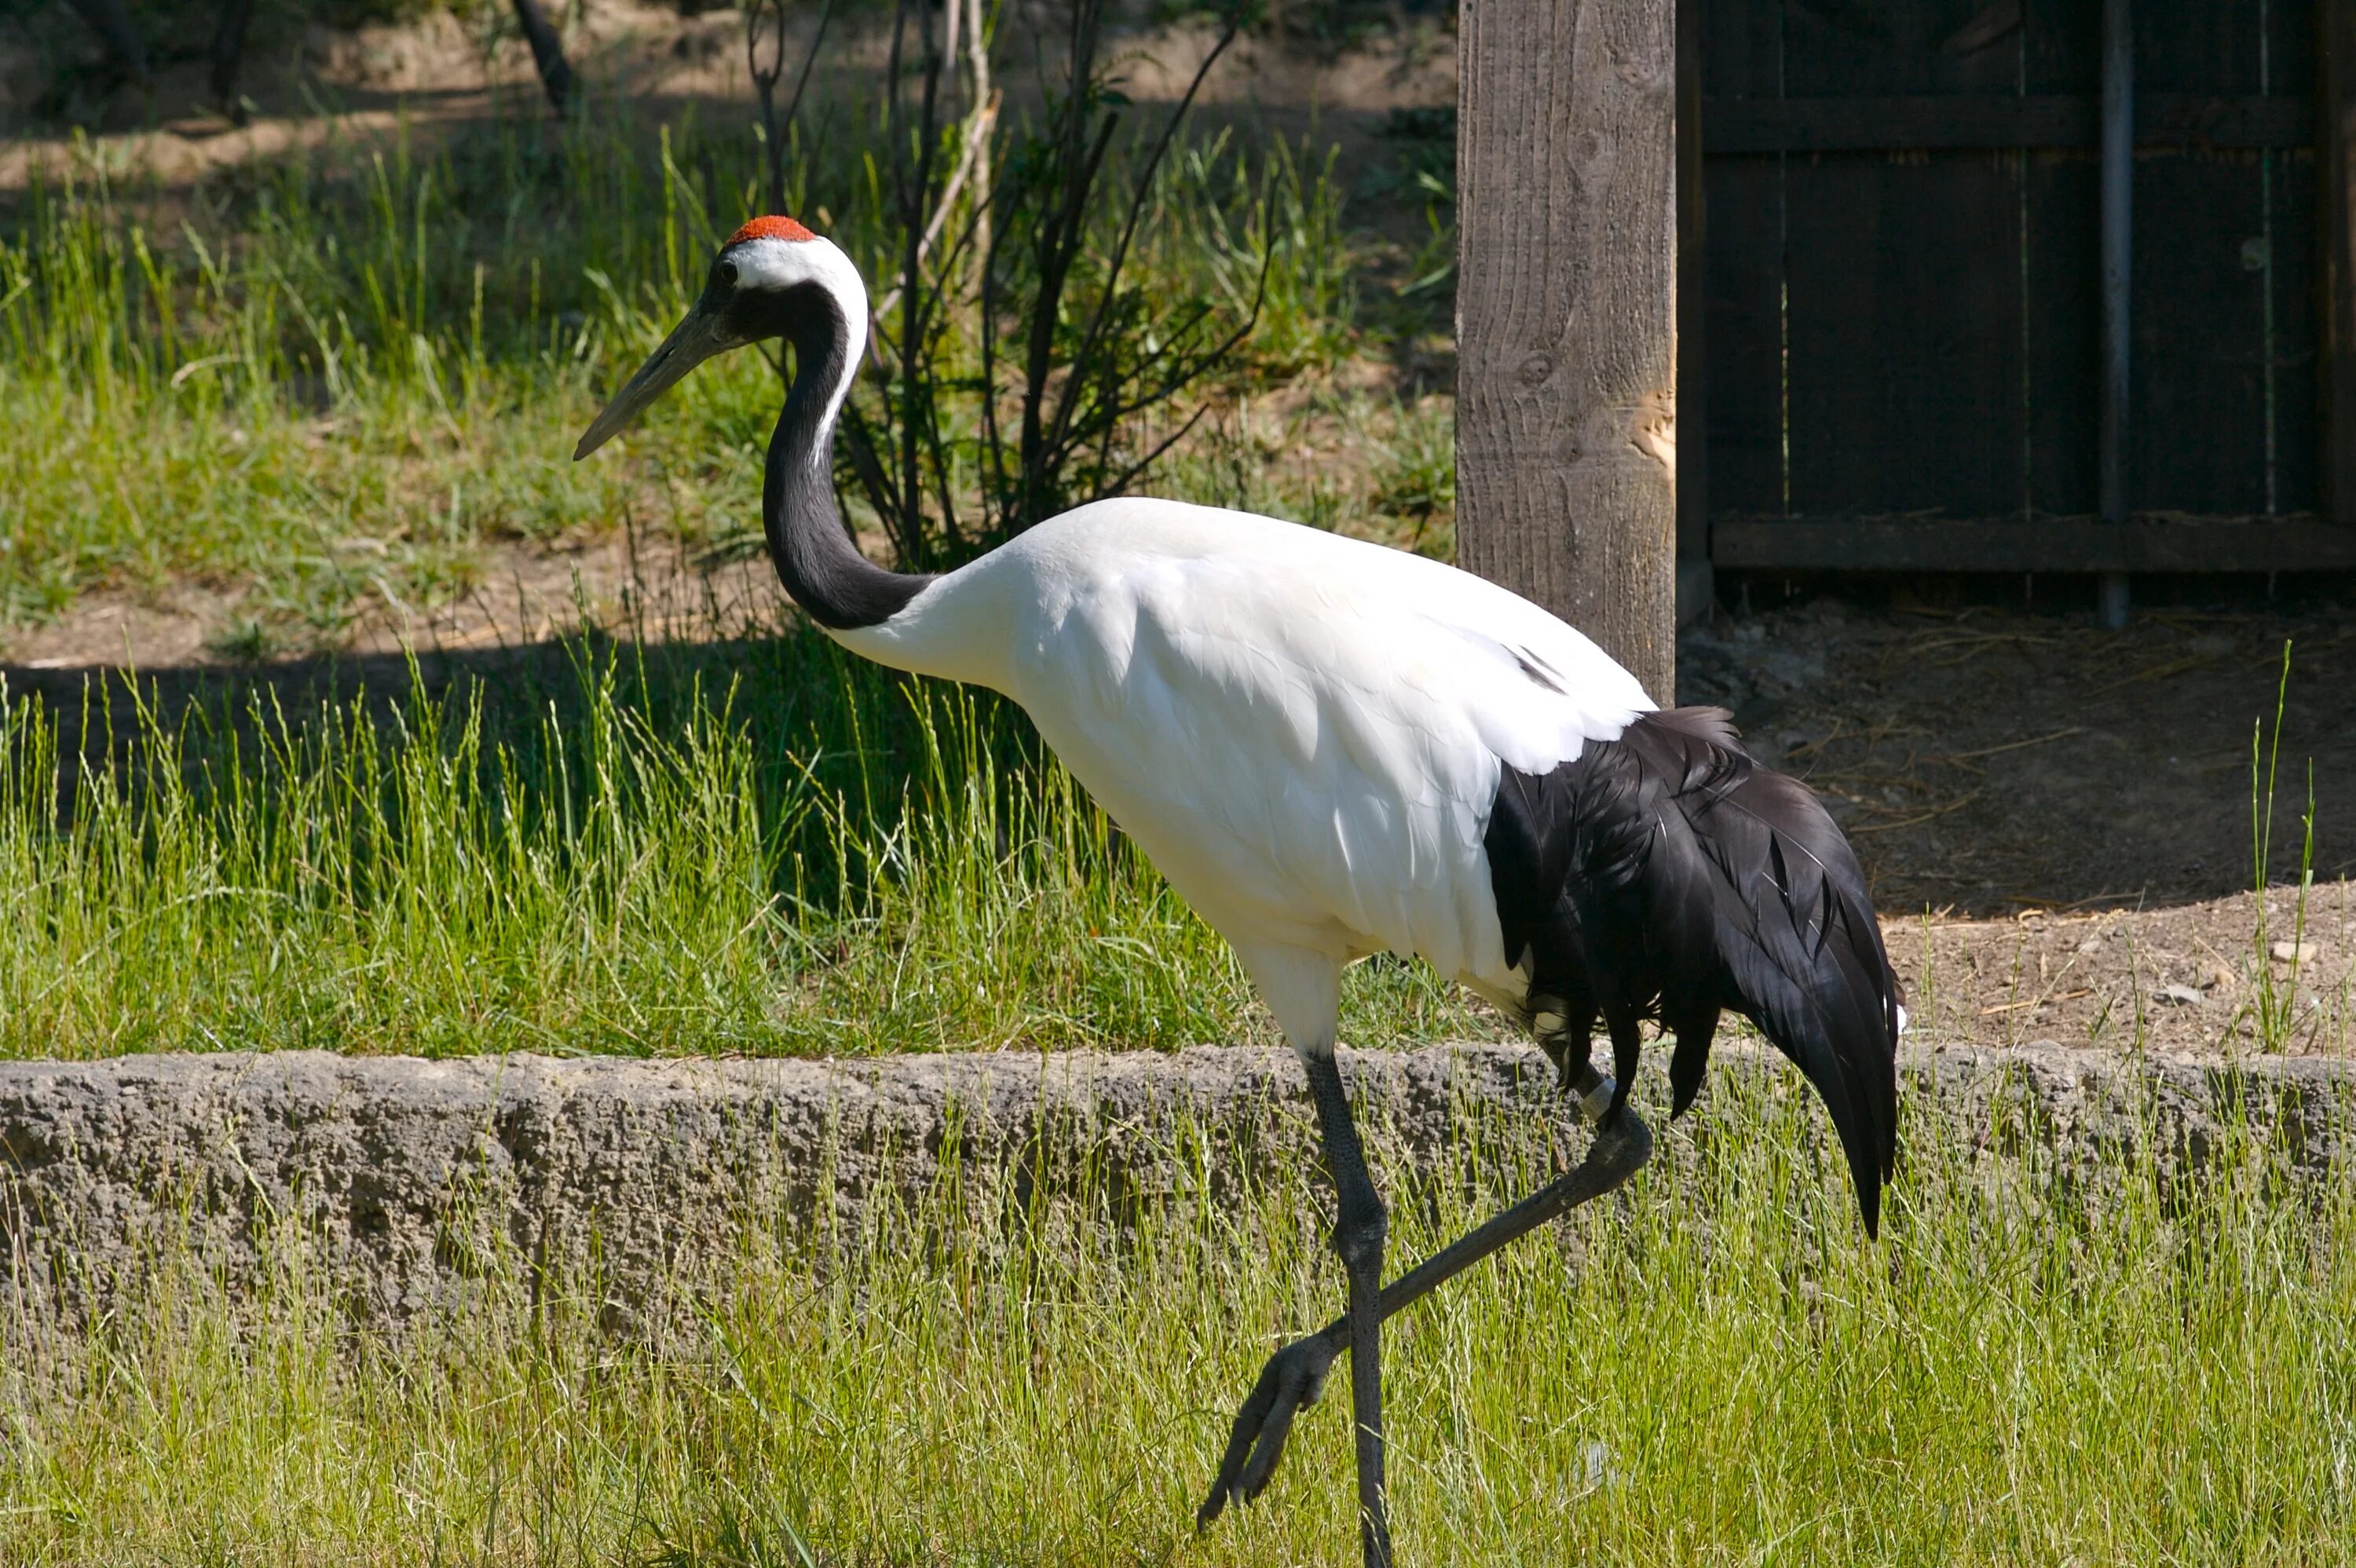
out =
column 1291, row 1383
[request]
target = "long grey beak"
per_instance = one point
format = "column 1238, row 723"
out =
column 702, row 335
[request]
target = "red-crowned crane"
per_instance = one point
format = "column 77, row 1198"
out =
column 1330, row 748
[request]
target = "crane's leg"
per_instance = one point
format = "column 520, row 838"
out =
column 1359, row 1225
column 1295, row 1375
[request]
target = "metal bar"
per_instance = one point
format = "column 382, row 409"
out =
column 2118, row 217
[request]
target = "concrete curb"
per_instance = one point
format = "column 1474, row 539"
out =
column 410, row 1178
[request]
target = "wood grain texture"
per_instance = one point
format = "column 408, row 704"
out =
column 2198, row 415
column 1904, row 332
column 1741, row 400
column 1903, row 275
column 2338, row 205
column 2114, row 470
column 1693, row 497
column 2298, row 250
column 2063, row 290
column 1566, row 434
column 2062, row 48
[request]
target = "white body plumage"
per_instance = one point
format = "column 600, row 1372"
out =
column 1331, row 748
column 1304, row 731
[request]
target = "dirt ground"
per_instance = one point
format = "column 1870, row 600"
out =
column 307, row 84
column 1989, row 762
column 528, row 595
column 2057, row 819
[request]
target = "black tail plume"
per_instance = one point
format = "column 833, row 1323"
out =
column 1667, row 874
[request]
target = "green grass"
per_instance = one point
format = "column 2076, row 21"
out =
column 318, row 373
column 1716, row 1368
column 334, row 381
column 318, row 382
column 1379, row 466
column 763, row 845
column 323, row 382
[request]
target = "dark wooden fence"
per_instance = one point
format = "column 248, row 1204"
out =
column 1900, row 313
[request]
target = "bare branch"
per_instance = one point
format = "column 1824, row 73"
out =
column 776, row 127
column 228, row 55
column 1144, row 187
column 817, row 36
column 977, row 127
column 547, row 55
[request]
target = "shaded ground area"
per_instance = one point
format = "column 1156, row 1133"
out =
column 2057, row 819
column 1987, row 761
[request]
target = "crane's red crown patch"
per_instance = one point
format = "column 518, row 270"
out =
column 770, row 229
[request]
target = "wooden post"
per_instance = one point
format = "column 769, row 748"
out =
column 2337, row 20
column 1566, row 306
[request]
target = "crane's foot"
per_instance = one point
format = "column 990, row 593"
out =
column 1289, row 1384
column 1295, row 1375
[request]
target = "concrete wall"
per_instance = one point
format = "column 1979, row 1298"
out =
column 411, row 1180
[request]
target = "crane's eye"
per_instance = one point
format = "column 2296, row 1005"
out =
column 726, row 273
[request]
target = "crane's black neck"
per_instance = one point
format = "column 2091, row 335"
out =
column 815, row 558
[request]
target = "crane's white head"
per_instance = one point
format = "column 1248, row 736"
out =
column 773, row 279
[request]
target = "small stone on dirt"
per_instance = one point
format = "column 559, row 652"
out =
column 2298, row 951
column 2177, row 996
